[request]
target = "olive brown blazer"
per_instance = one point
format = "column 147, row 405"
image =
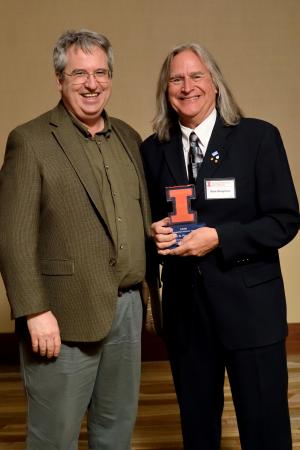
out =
column 57, row 251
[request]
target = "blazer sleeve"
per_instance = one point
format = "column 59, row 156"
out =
column 277, row 219
column 20, row 203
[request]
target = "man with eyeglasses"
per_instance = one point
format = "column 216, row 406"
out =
column 73, row 228
column 223, row 297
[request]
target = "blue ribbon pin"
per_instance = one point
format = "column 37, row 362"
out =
column 215, row 156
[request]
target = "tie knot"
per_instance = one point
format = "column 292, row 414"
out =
column 193, row 137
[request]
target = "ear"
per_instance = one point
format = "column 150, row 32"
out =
column 59, row 82
column 215, row 86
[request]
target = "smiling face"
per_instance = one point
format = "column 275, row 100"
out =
column 191, row 91
column 87, row 100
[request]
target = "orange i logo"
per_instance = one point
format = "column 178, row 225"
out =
column 181, row 197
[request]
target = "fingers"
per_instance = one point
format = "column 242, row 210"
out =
column 164, row 243
column 163, row 235
column 57, row 346
column 52, row 347
column 45, row 335
column 42, row 347
column 49, row 347
column 182, row 250
column 35, row 344
column 161, row 227
column 190, row 245
column 197, row 243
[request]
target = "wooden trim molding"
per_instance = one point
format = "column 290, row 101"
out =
column 153, row 347
column 293, row 339
column 9, row 348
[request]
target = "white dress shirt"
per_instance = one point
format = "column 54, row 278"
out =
column 203, row 131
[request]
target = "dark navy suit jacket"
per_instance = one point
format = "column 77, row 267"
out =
column 242, row 279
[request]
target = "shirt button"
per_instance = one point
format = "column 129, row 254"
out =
column 121, row 246
column 106, row 167
column 119, row 219
column 112, row 262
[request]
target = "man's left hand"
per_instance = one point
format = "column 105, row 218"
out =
column 197, row 243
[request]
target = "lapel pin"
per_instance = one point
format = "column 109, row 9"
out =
column 215, row 157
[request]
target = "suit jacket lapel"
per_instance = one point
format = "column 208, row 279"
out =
column 175, row 158
column 214, row 156
column 63, row 130
column 216, row 150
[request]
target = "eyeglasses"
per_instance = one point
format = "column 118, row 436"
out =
column 193, row 77
column 101, row 76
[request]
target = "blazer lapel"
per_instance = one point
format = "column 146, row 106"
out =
column 175, row 159
column 128, row 145
column 63, row 130
column 216, row 151
column 214, row 156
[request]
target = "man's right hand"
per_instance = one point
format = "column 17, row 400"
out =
column 163, row 236
column 45, row 335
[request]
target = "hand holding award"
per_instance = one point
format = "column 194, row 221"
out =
column 182, row 219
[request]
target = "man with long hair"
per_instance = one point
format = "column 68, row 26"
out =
column 223, row 297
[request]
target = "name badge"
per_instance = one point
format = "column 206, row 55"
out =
column 219, row 188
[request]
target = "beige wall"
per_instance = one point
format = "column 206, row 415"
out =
column 256, row 43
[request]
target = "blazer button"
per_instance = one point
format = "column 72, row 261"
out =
column 112, row 262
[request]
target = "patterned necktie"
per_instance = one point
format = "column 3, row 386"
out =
column 195, row 157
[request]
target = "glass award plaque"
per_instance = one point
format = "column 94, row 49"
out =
column 183, row 219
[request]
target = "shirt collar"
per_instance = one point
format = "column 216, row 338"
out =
column 84, row 130
column 203, row 131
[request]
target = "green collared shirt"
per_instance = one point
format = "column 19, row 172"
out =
column 119, row 187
